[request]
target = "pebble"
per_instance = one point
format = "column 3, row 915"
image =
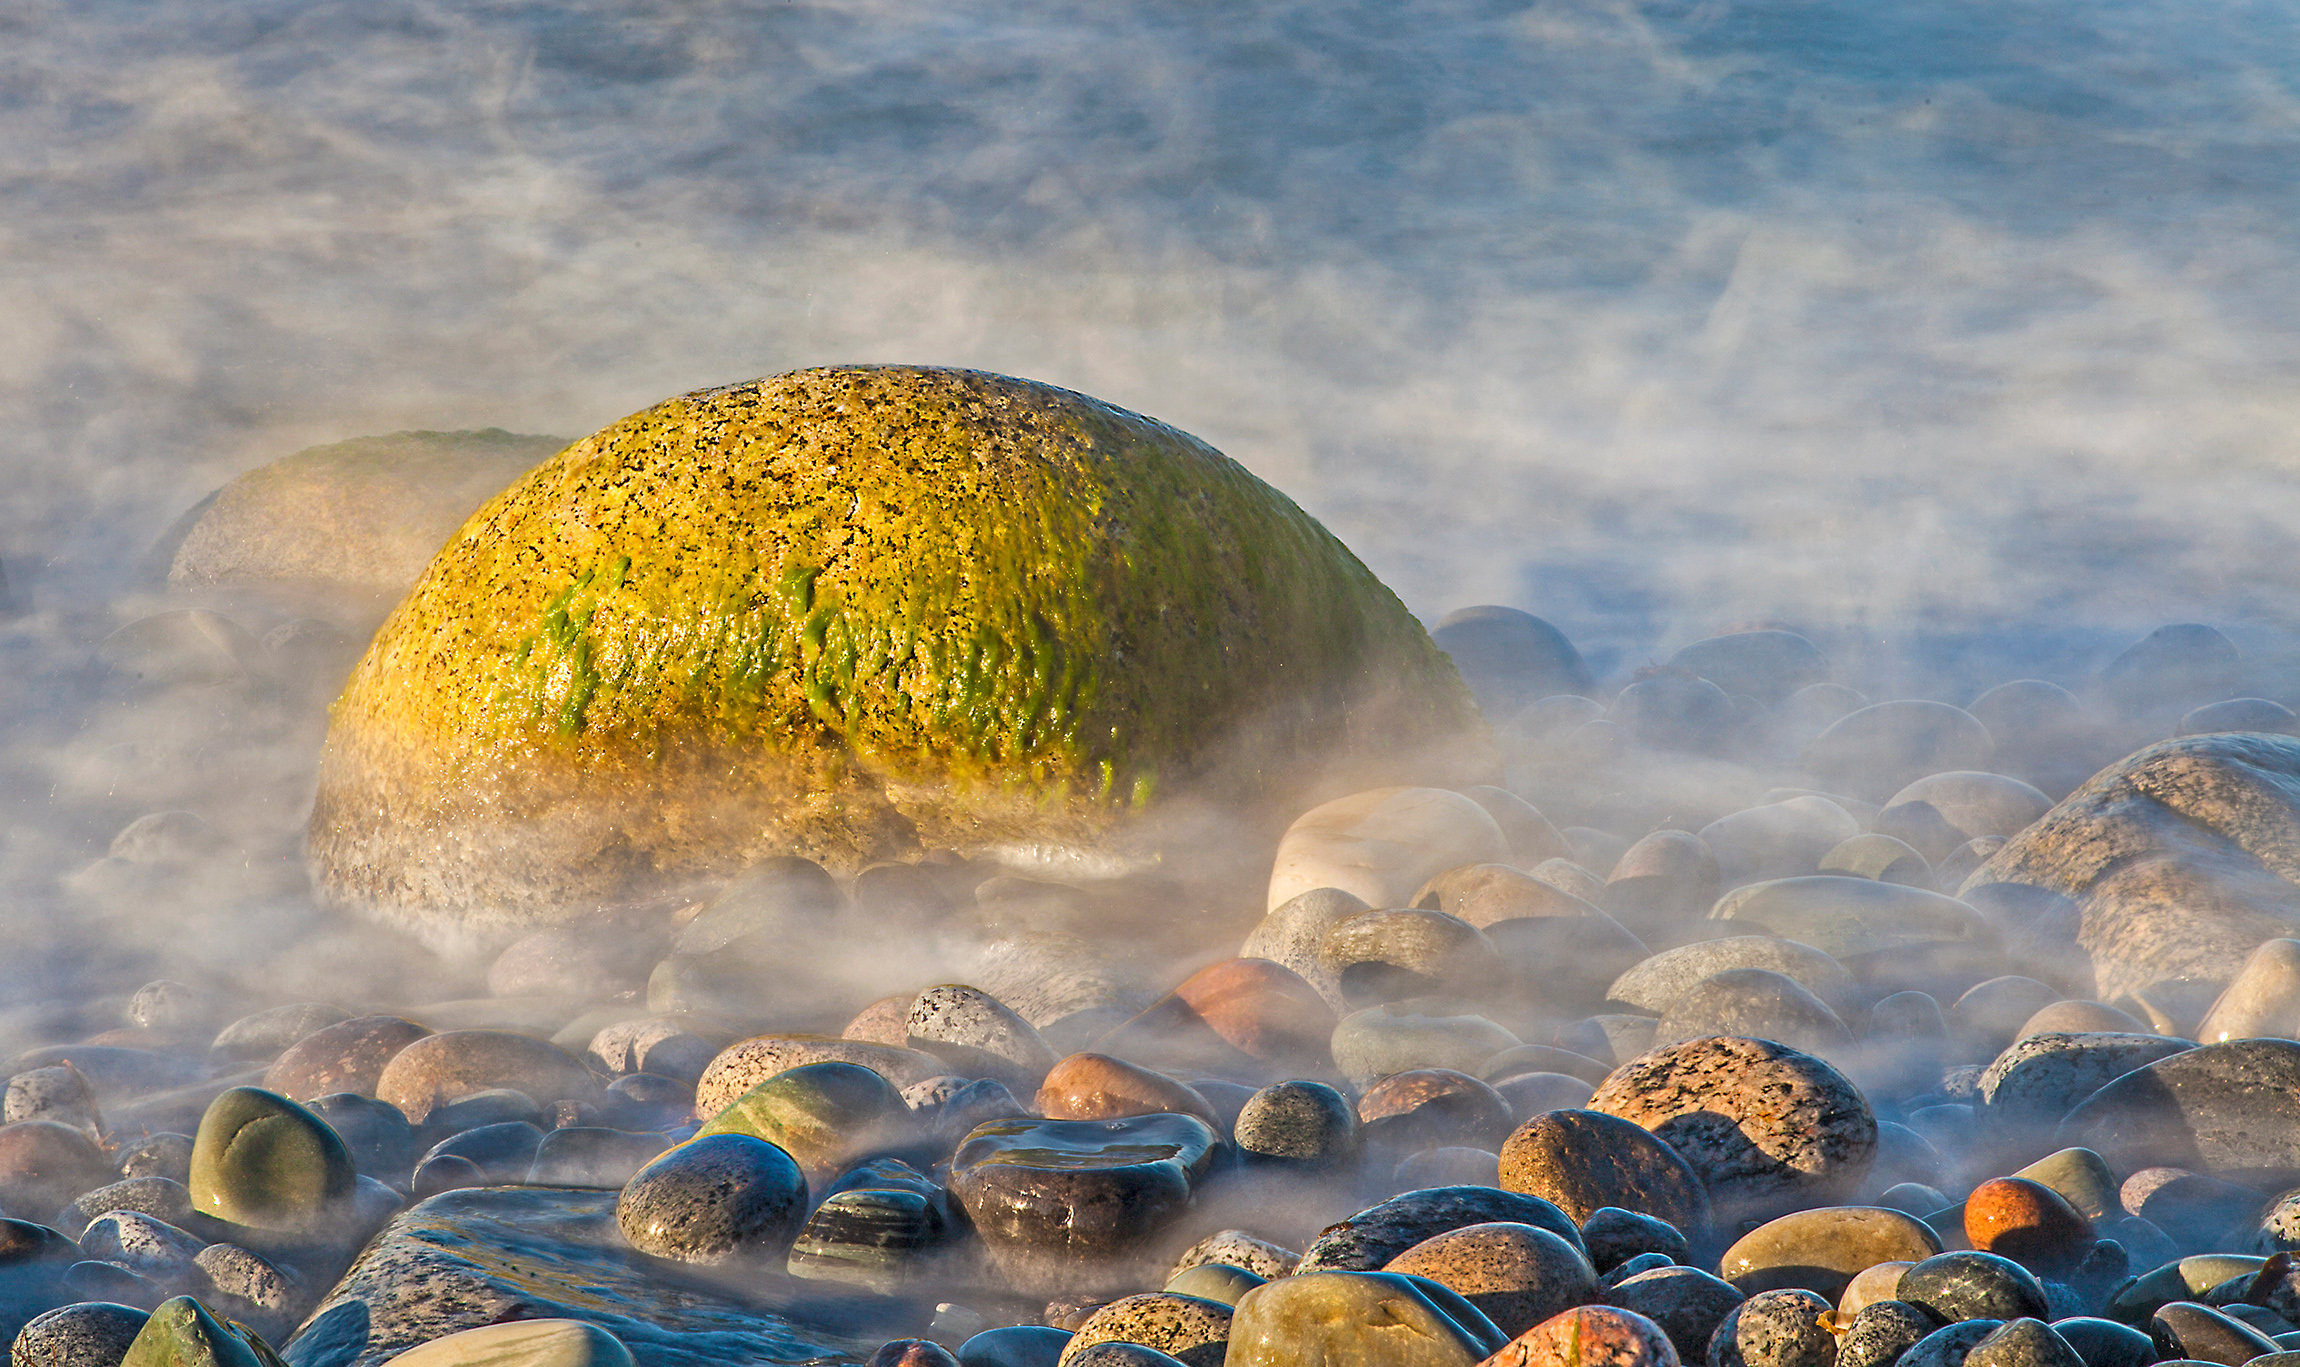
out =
column 1590, row 1336
column 1988, row 1017
column 1509, row 657
column 747, row 1063
column 1264, row 1010
column 2262, row 1000
column 1098, row 1087
column 1877, row 1282
column 1381, row 845
column 1015, row 1345
column 1189, row 1329
column 246, row 1286
column 1967, row 1285
column 381, row 1142
column 1659, row 981
column 1664, row 880
column 265, row 1035
column 1775, row 1329
column 1237, row 1248
column 1764, row 1127
column 1942, row 811
column 503, row 1152
column 145, row 1246
column 1613, row 1236
column 522, row 1343
column 2194, row 1211
column 45, row 1164
column 158, row 1155
column 1880, row 1332
column 978, row 1035
column 1422, row 1107
column 726, row 1198
column 1380, row 1040
column 1388, row 956
column 1116, row 1354
column 1758, row 1004
column 1877, row 856
column 1583, row 1161
column 1371, row 1238
column 1531, row 1094
column 1820, row 1250
column 1451, row 1166
column 2105, row 1343
column 1068, row 1204
column 345, row 1057
column 1214, row 1282
column 161, row 1198
column 2028, row 1222
column 1300, row 1124
column 1358, row 1317
column 1289, row 936
column 89, row 1334
column 261, row 1160
column 1768, row 665
column 661, row 1045
column 826, row 1116
column 1777, row 840
column 1947, row 1346
column 60, row 1094
column 1878, row 751
column 2024, row 1343
column 1482, row 894
column 2184, row 1329
column 181, row 1333
column 1853, row 918
column 878, row 1235
column 1515, row 1274
column 438, row 1069
column 1686, row 1302
column 2220, row 1108
column 2033, row 1085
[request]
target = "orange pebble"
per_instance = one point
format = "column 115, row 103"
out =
column 1099, row 1087
column 1263, row 1009
column 1589, row 1336
column 2027, row 1222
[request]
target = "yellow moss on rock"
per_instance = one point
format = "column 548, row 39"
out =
column 842, row 613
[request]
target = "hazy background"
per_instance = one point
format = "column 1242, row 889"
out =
column 1970, row 324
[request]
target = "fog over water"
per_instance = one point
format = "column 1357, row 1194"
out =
column 1973, row 322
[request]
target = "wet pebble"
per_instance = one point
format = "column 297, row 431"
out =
column 1371, row 1238
column 1015, row 1345
column 1098, row 1087
column 1775, row 1329
column 246, row 1286
column 1613, row 1236
column 1237, row 1248
column 1968, row 1285
column 2024, row 1343
column 521, row 1343
column 728, row 1198
column 89, row 1334
column 826, row 1116
column 1590, row 1336
column 1820, row 1250
column 261, row 1160
column 1686, row 1302
column 1219, row 1282
column 2184, row 1329
column 2029, row 1223
column 1947, row 1346
column 1880, row 1332
column 1305, row 1124
column 1515, row 1274
column 1365, row 1317
column 147, row 1247
column 1189, row 1329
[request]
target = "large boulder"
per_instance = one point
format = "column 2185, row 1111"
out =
column 2182, row 858
column 361, row 517
column 853, row 613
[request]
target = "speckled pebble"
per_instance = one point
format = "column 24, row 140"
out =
column 1193, row 1330
column 1775, row 1329
column 724, row 1199
column 1880, row 1332
column 89, row 1334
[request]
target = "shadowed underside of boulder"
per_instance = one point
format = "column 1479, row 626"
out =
column 849, row 613
column 2183, row 857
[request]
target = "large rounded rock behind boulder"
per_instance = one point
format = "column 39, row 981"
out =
column 2223, row 1110
column 361, row 516
column 2182, row 858
column 847, row 613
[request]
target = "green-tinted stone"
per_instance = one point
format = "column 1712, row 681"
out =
column 849, row 613
column 2082, row 1177
column 1358, row 1319
column 1214, row 1282
column 181, row 1333
column 521, row 1343
column 824, row 1115
column 260, row 1159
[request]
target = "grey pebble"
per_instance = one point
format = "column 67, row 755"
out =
column 1881, row 1332
column 723, row 1198
column 89, row 1334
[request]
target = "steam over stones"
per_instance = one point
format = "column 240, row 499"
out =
column 850, row 613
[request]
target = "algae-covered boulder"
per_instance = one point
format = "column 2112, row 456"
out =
column 850, row 614
column 361, row 516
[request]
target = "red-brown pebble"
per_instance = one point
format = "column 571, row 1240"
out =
column 1453, row 1106
column 1098, row 1087
column 1261, row 1008
column 347, row 1057
column 2027, row 1222
column 44, row 1166
column 1589, row 1336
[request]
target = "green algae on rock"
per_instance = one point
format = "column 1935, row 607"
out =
column 847, row 613
column 363, row 516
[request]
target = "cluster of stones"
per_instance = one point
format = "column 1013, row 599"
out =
column 1752, row 1097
